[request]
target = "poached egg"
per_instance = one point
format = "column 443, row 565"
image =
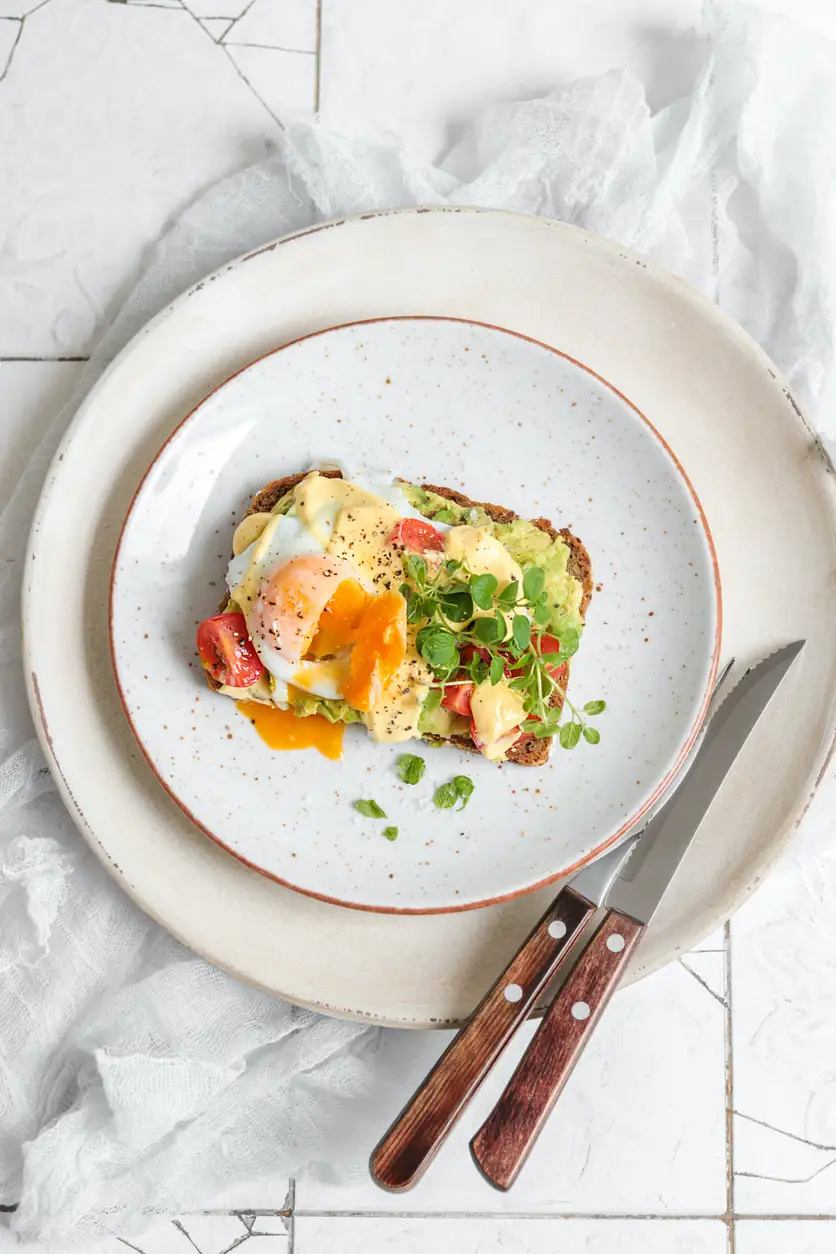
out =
column 318, row 587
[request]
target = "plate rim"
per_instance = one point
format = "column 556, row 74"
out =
column 690, row 929
column 629, row 823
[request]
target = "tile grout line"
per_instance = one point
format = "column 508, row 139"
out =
column 223, row 1211
column 792, row 1136
column 15, row 43
column 290, row 1205
column 175, row 1223
column 318, row 63
column 786, row 1218
column 701, row 981
column 573, row 1216
column 609, row 1217
column 289, row 1211
column 230, row 58
column 729, row 1128
column 242, row 43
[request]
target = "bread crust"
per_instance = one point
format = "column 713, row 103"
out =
column 529, row 752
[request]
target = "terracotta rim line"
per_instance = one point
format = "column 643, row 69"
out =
column 549, row 879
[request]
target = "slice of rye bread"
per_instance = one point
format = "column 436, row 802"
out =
column 529, row 752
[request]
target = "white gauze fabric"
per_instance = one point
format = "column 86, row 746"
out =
column 136, row 1080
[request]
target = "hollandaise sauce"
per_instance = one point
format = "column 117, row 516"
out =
column 281, row 729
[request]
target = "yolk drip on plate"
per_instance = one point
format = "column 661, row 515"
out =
column 281, row 729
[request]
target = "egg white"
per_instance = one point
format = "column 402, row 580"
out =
column 246, row 573
column 288, row 537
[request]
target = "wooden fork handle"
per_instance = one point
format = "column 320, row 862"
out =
column 506, row 1138
column 415, row 1137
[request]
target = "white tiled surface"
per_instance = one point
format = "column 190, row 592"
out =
column 785, row 1030
column 113, row 116
column 597, row 1155
column 511, row 1236
column 793, row 1236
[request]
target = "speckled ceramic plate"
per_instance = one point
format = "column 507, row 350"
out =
column 703, row 384
column 507, row 420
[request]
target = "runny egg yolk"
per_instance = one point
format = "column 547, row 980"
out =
column 281, row 729
column 340, row 619
column 292, row 602
column 379, row 650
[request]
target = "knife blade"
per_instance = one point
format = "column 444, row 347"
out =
column 595, row 880
column 641, row 883
column 506, row 1138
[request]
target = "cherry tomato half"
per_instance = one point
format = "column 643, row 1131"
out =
column 457, row 698
column 227, row 652
column 470, row 651
column 550, row 644
column 417, row 536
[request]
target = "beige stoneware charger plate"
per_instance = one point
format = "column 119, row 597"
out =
column 766, row 487
column 505, row 419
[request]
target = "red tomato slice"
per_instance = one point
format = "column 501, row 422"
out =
column 512, row 665
column 550, row 644
column 417, row 536
column 469, row 652
column 457, row 698
column 227, row 651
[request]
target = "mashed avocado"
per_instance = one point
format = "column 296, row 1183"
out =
column 284, row 503
column 527, row 544
column 442, row 722
column 334, row 711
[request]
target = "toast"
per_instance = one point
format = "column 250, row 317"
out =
column 528, row 751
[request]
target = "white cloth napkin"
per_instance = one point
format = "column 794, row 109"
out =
column 136, row 1080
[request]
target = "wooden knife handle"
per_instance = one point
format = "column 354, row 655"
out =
column 415, row 1137
column 507, row 1136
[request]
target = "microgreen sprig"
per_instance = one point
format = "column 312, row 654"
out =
column 506, row 627
column 370, row 809
column 459, row 788
column 410, row 767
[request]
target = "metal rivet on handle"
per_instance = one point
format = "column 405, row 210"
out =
column 580, row 1010
column 557, row 929
column 615, row 943
column 513, row 993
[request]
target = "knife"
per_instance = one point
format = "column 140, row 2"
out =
column 406, row 1150
column 506, row 1138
